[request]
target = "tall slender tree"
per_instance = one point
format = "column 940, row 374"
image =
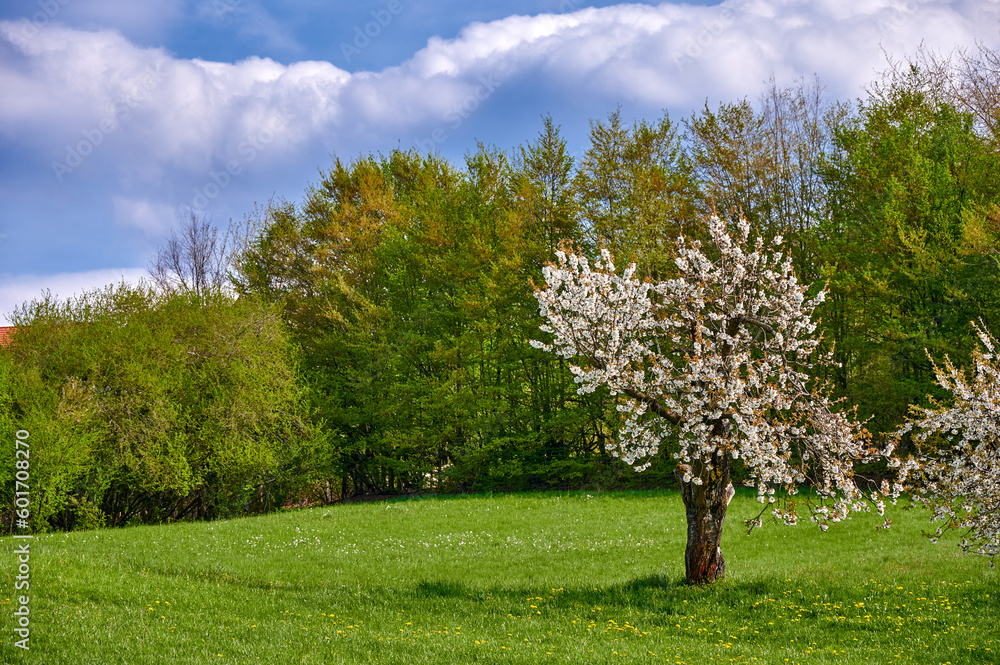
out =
column 635, row 190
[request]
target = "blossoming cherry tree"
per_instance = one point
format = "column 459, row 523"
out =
column 720, row 356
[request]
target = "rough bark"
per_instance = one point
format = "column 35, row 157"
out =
column 705, row 506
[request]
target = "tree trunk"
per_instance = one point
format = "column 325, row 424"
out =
column 705, row 506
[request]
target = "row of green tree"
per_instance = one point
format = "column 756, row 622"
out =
column 373, row 339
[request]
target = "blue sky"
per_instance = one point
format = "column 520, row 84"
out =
column 118, row 118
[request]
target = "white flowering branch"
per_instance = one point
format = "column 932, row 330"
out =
column 961, row 479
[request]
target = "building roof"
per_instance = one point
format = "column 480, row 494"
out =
column 5, row 334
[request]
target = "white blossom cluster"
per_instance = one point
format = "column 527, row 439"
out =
column 961, row 481
column 719, row 355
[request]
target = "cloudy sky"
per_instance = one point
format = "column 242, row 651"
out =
column 118, row 118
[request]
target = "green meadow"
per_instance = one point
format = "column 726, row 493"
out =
column 524, row 578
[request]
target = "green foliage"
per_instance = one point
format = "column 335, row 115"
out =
column 909, row 246
column 153, row 406
column 404, row 278
column 762, row 160
column 407, row 285
column 544, row 182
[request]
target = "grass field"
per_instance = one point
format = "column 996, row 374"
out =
column 541, row 578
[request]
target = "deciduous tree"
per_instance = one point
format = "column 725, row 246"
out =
column 721, row 353
column 907, row 248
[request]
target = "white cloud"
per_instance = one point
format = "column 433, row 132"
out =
column 159, row 131
column 15, row 290
column 678, row 51
column 192, row 114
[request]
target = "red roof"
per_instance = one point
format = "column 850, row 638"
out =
column 5, row 334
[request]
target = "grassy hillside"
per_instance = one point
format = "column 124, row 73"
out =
column 569, row 578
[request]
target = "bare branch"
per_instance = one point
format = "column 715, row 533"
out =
column 194, row 259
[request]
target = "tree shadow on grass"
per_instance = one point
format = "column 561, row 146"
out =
column 661, row 594
column 654, row 593
column 442, row 589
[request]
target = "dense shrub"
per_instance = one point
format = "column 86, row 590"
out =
column 143, row 406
